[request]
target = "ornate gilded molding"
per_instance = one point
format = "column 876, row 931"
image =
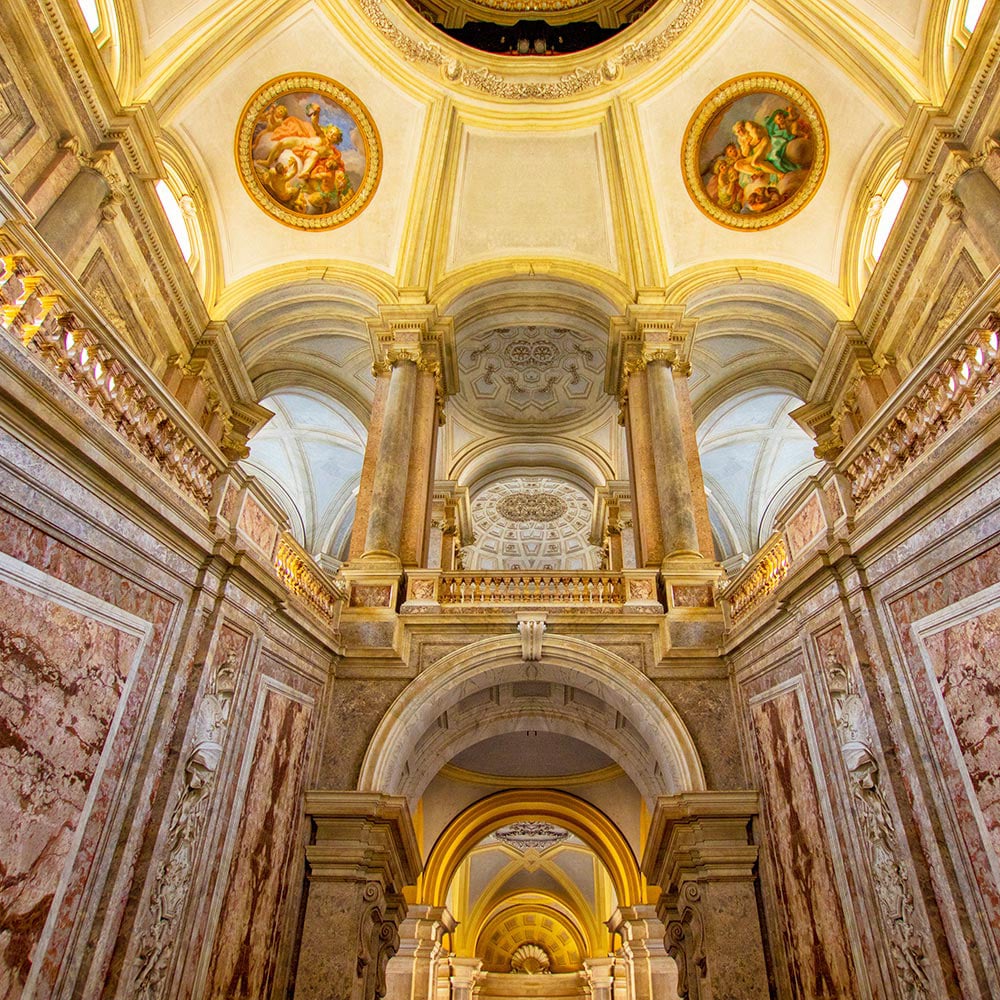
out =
column 485, row 80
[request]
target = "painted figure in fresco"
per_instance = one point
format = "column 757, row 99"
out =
column 764, row 164
column 298, row 161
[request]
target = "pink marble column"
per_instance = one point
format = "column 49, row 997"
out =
column 363, row 852
column 673, row 481
column 385, row 518
column 698, row 851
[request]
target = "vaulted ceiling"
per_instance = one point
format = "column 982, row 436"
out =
column 531, row 199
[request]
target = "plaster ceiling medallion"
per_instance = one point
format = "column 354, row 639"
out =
column 529, row 835
column 755, row 152
column 308, row 152
column 530, row 959
column 531, row 523
column 518, row 374
column 538, row 507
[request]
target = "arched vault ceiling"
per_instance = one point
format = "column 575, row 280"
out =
column 475, row 187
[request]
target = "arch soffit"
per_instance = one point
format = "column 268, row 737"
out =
column 634, row 759
column 585, row 945
column 571, row 904
column 560, row 808
column 359, row 282
column 490, row 458
column 289, row 377
column 497, row 660
column 712, row 396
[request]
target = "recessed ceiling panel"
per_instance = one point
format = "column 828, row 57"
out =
column 524, row 194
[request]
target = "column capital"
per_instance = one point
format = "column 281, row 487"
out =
column 415, row 332
column 647, row 332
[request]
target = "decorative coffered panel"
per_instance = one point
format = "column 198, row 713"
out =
column 523, row 374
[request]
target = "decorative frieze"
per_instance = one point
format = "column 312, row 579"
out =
column 932, row 409
column 36, row 313
column 760, row 579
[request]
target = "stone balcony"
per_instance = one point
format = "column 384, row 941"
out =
column 433, row 591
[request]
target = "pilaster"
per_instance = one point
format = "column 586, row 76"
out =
column 699, row 852
column 363, row 851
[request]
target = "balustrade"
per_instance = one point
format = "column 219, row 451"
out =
column 531, row 587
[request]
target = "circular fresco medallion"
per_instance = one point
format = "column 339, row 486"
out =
column 308, row 152
column 755, row 152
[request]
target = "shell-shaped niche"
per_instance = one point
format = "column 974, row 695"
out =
column 531, row 959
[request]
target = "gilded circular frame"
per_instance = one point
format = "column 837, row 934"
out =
column 308, row 152
column 755, row 152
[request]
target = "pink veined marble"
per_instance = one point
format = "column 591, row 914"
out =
column 815, row 938
column 61, row 677
column 245, row 948
column 805, row 525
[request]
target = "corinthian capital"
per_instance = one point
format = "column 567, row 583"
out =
column 415, row 332
column 648, row 332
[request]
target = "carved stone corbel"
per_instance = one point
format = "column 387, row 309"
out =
column 531, row 626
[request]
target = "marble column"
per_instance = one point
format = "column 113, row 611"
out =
column 383, row 375
column 698, row 851
column 601, row 974
column 385, row 518
column 363, row 852
column 647, row 526
column 427, row 417
column 673, row 480
column 980, row 199
column 412, row 972
column 651, row 973
column 72, row 219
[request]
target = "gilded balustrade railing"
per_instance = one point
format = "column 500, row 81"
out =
column 296, row 571
column 933, row 408
column 36, row 314
column 760, row 578
column 531, row 587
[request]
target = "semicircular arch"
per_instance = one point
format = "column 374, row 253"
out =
column 571, row 813
column 566, row 660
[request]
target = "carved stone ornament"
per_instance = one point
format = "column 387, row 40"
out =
column 538, row 507
column 528, row 835
column 530, row 959
column 881, row 845
column 481, row 78
column 170, row 890
column 378, row 938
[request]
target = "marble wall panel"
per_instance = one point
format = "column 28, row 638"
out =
column 252, row 914
column 806, row 525
column 66, row 665
column 809, row 907
column 950, row 633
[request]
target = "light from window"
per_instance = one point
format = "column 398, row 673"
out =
column 175, row 216
column 93, row 18
column 973, row 10
column 887, row 217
